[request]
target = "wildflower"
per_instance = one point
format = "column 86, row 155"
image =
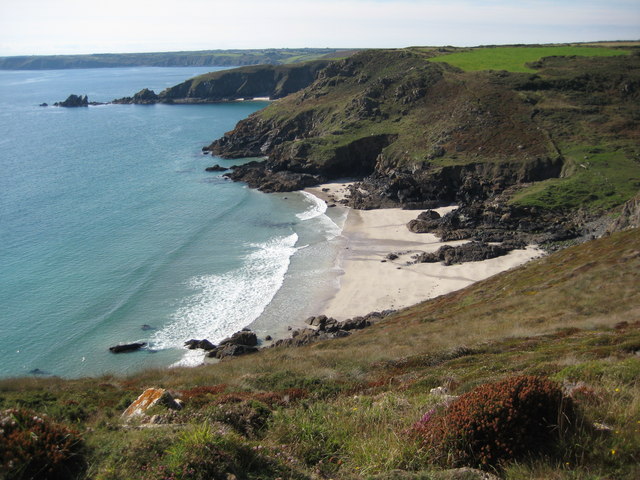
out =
column 616, row 389
column 613, row 452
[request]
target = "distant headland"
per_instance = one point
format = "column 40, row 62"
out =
column 203, row 58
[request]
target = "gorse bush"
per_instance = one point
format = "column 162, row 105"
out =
column 498, row 422
column 33, row 447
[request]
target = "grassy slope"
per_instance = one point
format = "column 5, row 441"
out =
column 554, row 316
column 389, row 78
column 514, row 59
column 572, row 106
column 600, row 173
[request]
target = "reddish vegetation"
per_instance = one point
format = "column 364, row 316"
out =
column 202, row 391
column 497, row 422
column 34, row 447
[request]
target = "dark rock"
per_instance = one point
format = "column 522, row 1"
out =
column 37, row 371
column 146, row 327
column 74, row 101
column 145, row 96
column 469, row 252
column 429, row 215
column 356, row 323
column 268, row 338
column 341, row 334
column 216, row 168
column 243, row 337
column 203, row 344
column 231, row 350
column 391, row 256
column 43, row 105
column 258, row 175
column 127, row 347
column 422, row 226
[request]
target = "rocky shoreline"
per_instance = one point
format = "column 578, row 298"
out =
column 319, row 328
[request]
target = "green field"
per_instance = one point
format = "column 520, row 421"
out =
column 594, row 178
column 514, row 59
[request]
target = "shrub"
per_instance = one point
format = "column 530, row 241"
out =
column 202, row 453
column 497, row 422
column 248, row 418
column 34, row 447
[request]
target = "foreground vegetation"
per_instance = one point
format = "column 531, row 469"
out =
column 355, row 407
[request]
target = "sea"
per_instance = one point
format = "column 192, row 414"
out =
column 112, row 232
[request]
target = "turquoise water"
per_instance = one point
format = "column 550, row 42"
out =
column 108, row 222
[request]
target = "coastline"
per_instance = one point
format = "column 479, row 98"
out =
column 369, row 281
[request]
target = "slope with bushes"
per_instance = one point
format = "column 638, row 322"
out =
column 348, row 408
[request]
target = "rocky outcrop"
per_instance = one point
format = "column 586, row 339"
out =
column 429, row 186
column 74, row 101
column 127, row 347
column 240, row 343
column 258, row 175
column 150, row 398
column 629, row 216
column 469, row 252
column 498, row 221
column 325, row 328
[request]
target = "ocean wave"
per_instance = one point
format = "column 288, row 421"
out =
column 317, row 212
column 229, row 302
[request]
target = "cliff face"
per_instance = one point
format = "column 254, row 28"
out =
column 419, row 133
column 270, row 81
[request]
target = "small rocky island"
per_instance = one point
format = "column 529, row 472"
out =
column 73, row 101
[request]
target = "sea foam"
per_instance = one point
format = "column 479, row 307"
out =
column 228, row 302
column 317, row 211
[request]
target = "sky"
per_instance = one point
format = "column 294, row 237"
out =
column 45, row 27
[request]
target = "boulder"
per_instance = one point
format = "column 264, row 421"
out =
column 243, row 337
column 149, row 398
column 203, row 344
column 127, row 347
column 429, row 215
column 216, row 168
column 356, row 323
column 422, row 226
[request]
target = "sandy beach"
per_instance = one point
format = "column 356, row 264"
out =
column 371, row 282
